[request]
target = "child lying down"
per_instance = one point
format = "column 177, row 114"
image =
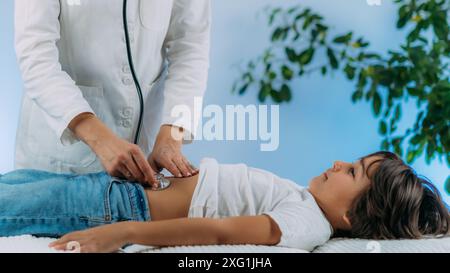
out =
column 376, row 197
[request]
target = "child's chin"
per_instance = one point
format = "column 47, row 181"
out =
column 314, row 182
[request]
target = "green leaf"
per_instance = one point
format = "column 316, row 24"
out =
column 344, row 39
column 243, row 89
column 415, row 91
column 357, row 95
column 273, row 15
column 431, row 148
column 397, row 112
column 350, row 71
column 382, row 128
column 277, row 34
column 404, row 14
column 396, row 143
column 393, row 126
column 276, row 96
column 361, row 43
column 332, row 58
column 293, row 9
column 290, row 53
column 413, row 35
column 301, row 15
column 371, row 92
column 371, row 56
column 308, row 20
column 272, row 75
column 306, row 56
column 440, row 25
column 287, row 72
column 376, row 103
column 264, row 92
column 385, row 145
column 267, row 57
column 447, row 185
column 285, row 93
column 416, row 139
column 410, row 156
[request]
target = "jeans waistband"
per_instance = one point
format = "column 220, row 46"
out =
column 135, row 197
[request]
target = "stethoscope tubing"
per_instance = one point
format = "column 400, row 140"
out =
column 133, row 72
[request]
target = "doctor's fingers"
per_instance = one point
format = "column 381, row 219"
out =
column 154, row 164
column 192, row 169
column 144, row 167
column 171, row 167
column 181, row 165
column 136, row 173
column 123, row 172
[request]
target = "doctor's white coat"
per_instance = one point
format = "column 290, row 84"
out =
column 72, row 55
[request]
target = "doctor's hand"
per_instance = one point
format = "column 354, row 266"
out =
column 167, row 153
column 119, row 157
column 123, row 159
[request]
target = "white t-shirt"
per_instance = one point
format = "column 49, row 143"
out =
column 227, row 190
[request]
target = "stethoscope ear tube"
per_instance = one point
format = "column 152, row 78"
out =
column 133, row 72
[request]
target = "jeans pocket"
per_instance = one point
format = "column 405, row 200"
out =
column 118, row 201
column 107, row 201
column 103, row 214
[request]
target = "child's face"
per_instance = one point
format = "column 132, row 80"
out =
column 337, row 188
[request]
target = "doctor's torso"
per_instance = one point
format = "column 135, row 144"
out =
column 92, row 51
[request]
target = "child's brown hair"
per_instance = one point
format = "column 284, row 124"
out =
column 398, row 204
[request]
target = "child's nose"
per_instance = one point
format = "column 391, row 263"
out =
column 338, row 165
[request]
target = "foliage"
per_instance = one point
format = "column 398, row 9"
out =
column 418, row 70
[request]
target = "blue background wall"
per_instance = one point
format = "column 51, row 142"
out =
column 319, row 126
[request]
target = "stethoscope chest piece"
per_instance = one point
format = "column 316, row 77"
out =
column 163, row 182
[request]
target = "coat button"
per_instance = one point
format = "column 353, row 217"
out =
column 127, row 112
column 126, row 69
column 127, row 123
column 131, row 38
column 127, row 81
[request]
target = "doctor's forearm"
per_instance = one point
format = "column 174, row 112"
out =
column 89, row 128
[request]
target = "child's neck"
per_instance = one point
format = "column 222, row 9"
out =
column 334, row 222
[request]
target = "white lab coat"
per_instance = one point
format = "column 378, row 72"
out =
column 72, row 55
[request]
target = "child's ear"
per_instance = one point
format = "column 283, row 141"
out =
column 347, row 221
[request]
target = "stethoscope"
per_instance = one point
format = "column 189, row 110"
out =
column 163, row 182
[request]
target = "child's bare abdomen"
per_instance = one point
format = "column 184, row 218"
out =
column 174, row 201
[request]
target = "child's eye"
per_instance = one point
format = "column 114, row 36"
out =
column 352, row 171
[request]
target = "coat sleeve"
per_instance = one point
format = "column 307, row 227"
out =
column 37, row 31
column 188, row 44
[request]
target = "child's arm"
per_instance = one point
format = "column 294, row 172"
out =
column 205, row 231
column 182, row 231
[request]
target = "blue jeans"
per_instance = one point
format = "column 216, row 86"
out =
column 48, row 204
